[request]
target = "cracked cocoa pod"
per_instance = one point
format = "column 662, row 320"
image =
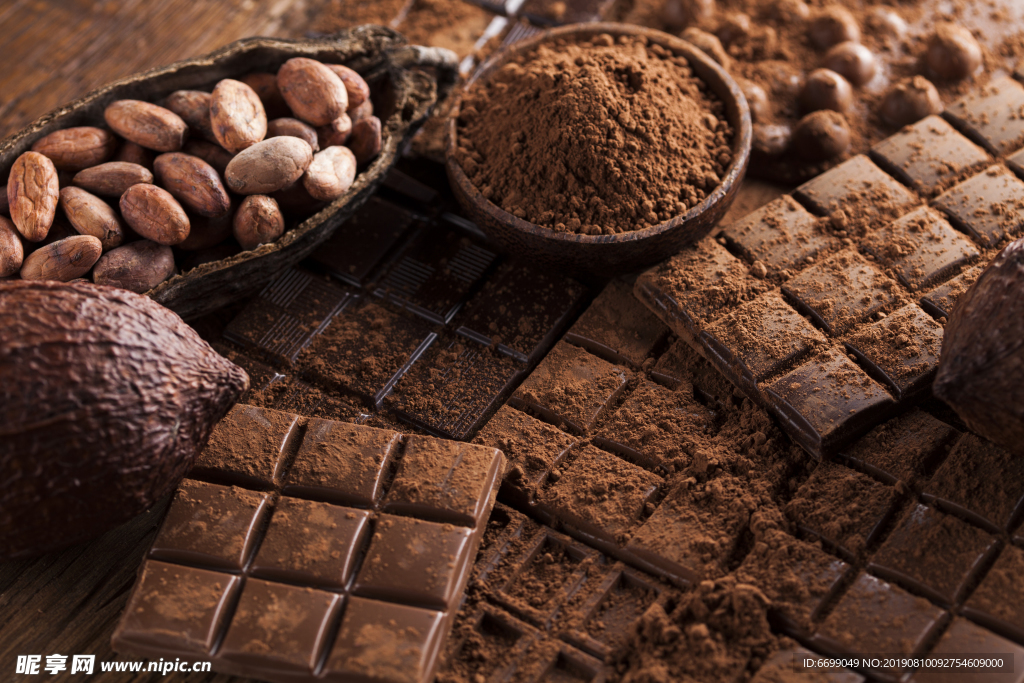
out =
column 981, row 368
column 107, row 398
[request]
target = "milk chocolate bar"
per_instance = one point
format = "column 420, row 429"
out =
column 311, row 550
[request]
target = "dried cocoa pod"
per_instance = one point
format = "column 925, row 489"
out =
column 237, row 115
column 12, row 253
column 357, row 88
column 138, row 266
column 313, row 92
column 112, row 179
column 193, row 182
column 214, row 155
column 154, row 214
column 365, row 140
column 981, row 368
column 294, row 128
column 363, row 111
column 135, row 154
column 73, row 149
column 331, row 174
column 269, row 165
column 207, row 232
column 32, row 192
column 265, row 85
column 90, row 215
column 336, row 132
column 107, row 398
column 63, row 260
column 147, row 124
column 258, row 221
column 193, row 106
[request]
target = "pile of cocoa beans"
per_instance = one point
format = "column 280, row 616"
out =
column 195, row 178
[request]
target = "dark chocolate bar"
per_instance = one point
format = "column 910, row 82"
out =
column 347, row 563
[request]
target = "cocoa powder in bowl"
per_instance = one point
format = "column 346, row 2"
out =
column 594, row 135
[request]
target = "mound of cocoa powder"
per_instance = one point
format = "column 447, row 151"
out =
column 600, row 136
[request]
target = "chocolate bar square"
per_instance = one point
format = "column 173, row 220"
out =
column 998, row 602
column 617, row 604
column 841, row 291
column 988, row 206
column 571, row 386
column 866, row 505
column 901, row 351
column 864, row 194
column 759, row 339
column 492, row 643
column 247, row 447
column 928, row 155
column 966, row 640
column 932, row 554
column 941, row 301
column 311, row 543
column 991, row 115
column 1016, row 162
column 342, row 463
column 782, row 235
column 996, row 483
column 828, row 401
column 234, row 513
column 615, row 328
column 920, row 248
column 445, row 481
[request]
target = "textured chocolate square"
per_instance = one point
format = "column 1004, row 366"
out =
column 342, row 463
column 928, row 155
column 858, row 189
column 966, row 640
column 247, row 447
column 841, row 291
column 991, row 115
column 491, row 645
column 311, row 543
column 865, row 504
column 988, row 206
column 941, row 301
column 904, row 448
column 210, row 525
column 617, row 604
column 616, row 328
column 932, row 554
column 998, row 602
column 921, row 248
column 901, row 351
column 828, row 401
column 571, row 386
column 782, row 235
column 980, row 481
column 444, row 480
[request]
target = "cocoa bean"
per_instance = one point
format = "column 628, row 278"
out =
column 259, row 221
column 363, row 111
column 193, row 106
column 330, row 174
column 147, row 124
column 138, row 266
column 336, row 132
column 193, row 182
column 90, row 215
column 63, row 260
column 265, row 85
column 73, row 149
column 237, row 115
column 12, row 253
column 32, row 192
column 357, row 88
column 365, row 140
column 214, row 155
column 154, row 214
column 269, row 165
column 313, row 92
column 294, row 128
column 113, row 178
column 135, row 154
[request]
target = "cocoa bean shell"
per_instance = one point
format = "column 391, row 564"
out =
column 193, row 106
column 193, row 182
column 63, row 260
column 138, row 266
column 90, row 215
column 154, row 214
column 331, row 174
column 358, row 90
column 12, row 253
column 313, row 92
column 32, row 193
column 365, row 140
column 258, row 221
column 147, row 124
column 107, row 398
column 269, row 165
column 237, row 115
column 113, row 178
column 294, row 128
column 73, row 149
column 336, row 132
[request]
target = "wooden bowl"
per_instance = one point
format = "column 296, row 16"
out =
column 604, row 256
column 402, row 95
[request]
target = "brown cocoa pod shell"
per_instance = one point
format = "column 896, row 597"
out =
column 258, row 221
column 90, row 215
column 193, row 106
column 138, row 266
column 73, row 149
column 313, row 92
column 32, row 193
column 294, row 128
column 363, row 111
column 146, row 124
column 113, row 178
column 365, row 140
column 331, row 174
column 107, row 397
column 356, row 87
column 193, row 182
column 981, row 367
column 336, row 132
column 265, row 85
column 268, row 166
column 154, row 214
column 237, row 115
column 63, row 260
column 135, row 154
column 207, row 232
column 12, row 252
column 211, row 153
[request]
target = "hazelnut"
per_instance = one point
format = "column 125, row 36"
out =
column 886, row 22
column 852, row 61
column 771, row 139
column 953, row 53
column 757, row 100
column 678, row 14
column 825, row 89
column 909, row 101
column 831, row 26
column 821, row 135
